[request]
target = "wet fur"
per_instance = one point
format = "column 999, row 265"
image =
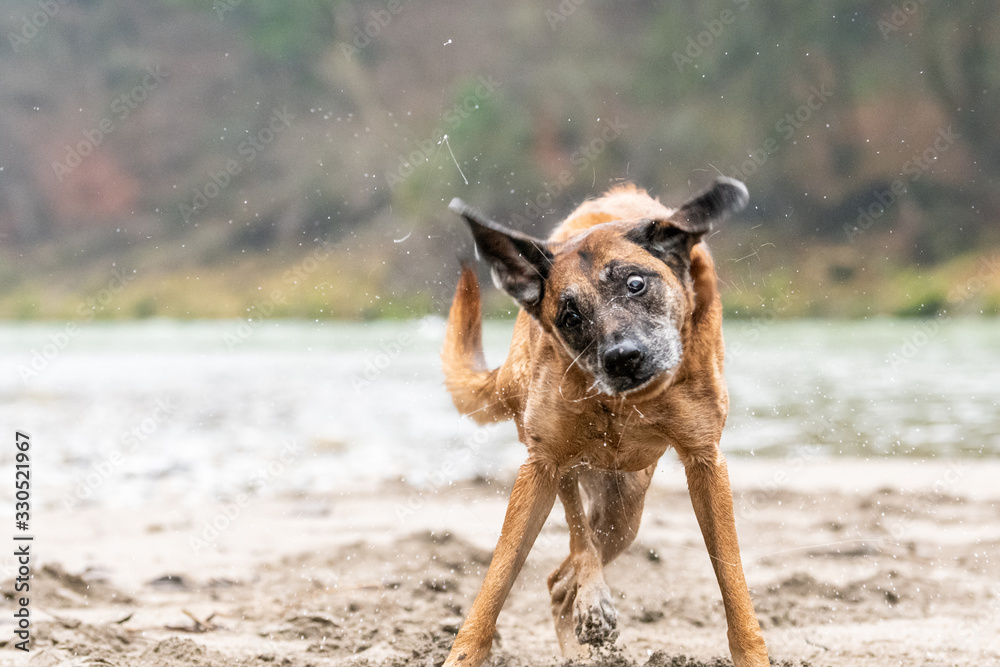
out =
column 592, row 446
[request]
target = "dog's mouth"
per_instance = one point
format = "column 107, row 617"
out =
column 632, row 387
column 625, row 386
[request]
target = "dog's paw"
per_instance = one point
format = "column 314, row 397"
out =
column 469, row 651
column 562, row 584
column 595, row 616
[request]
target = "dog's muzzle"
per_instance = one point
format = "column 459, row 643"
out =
column 632, row 363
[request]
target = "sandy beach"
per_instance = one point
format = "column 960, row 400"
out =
column 849, row 563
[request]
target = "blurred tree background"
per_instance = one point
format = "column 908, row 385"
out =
column 296, row 159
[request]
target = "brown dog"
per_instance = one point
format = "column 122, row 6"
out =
column 616, row 356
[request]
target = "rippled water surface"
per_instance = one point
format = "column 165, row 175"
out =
column 161, row 410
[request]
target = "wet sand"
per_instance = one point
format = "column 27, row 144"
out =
column 849, row 563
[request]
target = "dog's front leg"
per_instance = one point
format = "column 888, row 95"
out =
column 712, row 498
column 530, row 503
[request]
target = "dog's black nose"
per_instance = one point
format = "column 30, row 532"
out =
column 624, row 359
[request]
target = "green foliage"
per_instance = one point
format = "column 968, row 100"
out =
column 290, row 33
column 696, row 89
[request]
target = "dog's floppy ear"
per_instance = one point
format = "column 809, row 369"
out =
column 520, row 263
column 727, row 195
column 694, row 218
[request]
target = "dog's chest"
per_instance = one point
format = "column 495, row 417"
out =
column 604, row 439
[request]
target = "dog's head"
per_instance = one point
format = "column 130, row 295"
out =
column 615, row 296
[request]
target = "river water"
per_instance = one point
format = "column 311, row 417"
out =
column 188, row 412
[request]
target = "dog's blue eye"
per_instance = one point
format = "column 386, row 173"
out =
column 636, row 284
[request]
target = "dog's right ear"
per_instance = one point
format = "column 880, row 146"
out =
column 725, row 196
column 520, row 263
column 693, row 220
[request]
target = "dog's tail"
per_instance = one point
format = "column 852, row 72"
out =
column 473, row 387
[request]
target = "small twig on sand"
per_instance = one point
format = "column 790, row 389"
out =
column 199, row 625
column 806, row 640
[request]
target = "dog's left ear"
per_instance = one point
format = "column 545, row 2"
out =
column 520, row 262
column 694, row 218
